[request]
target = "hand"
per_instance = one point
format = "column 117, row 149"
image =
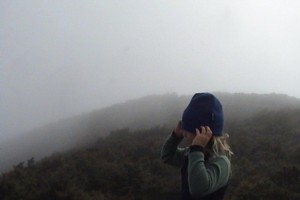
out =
column 178, row 130
column 202, row 138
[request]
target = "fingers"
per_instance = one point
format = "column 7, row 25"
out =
column 208, row 130
column 203, row 137
column 180, row 123
column 178, row 129
column 204, row 130
column 178, row 126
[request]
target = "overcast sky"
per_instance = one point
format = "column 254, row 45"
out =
column 59, row 58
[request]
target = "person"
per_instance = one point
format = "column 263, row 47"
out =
column 205, row 162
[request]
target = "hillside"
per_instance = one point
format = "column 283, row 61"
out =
column 136, row 114
column 126, row 165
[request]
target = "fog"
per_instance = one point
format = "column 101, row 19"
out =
column 62, row 58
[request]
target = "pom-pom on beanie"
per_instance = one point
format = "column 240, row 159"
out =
column 204, row 109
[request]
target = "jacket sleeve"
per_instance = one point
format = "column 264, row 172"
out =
column 170, row 152
column 206, row 177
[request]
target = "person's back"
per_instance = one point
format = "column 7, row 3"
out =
column 205, row 164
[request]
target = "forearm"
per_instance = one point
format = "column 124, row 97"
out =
column 170, row 152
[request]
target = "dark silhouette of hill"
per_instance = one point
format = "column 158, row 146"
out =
column 136, row 114
column 126, row 165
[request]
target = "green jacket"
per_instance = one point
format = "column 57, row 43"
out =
column 204, row 177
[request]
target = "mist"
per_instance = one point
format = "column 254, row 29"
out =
column 63, row 58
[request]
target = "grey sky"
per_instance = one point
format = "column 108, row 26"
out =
column 62, row 58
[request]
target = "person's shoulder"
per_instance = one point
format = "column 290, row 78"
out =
column 220, row 159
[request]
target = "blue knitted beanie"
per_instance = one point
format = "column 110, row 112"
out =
column 203, row 110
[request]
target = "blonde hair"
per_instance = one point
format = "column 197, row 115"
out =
column 219, row 145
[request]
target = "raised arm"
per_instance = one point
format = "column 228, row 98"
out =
column 170, row 152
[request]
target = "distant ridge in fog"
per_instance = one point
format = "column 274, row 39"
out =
column 142, row 113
